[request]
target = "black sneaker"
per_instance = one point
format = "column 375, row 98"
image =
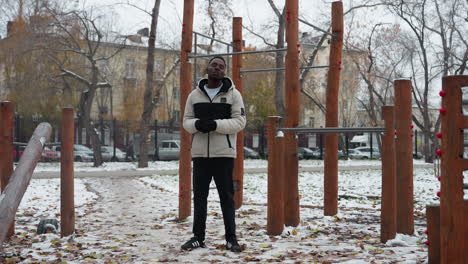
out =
column 232, row 245
column 193, row 243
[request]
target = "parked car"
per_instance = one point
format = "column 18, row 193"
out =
column 46, row 155
column 305, row 153
column 80, row 152
column 107, row 153
column 49, row 155
column 364, row 153
column 169, row 150
column 250, row 153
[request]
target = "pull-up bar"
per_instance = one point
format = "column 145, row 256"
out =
column 235, row 53
column 208, row 37
column 315, row 27
column 334, row 129
column 282, row 69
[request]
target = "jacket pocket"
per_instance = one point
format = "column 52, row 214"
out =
column 228, row 141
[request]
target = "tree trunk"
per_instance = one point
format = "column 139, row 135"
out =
column 86, row 102
column 279, row 76
column 148, row 94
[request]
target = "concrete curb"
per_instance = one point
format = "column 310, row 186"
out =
column 144, row 173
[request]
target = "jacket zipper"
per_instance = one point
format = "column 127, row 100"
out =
column 208, row 144
column 229, row 141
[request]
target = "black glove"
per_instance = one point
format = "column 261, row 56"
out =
column 205, row 125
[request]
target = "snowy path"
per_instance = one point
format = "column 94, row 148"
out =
column 132, row 220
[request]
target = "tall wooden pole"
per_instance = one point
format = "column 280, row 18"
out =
column 185, row 167
column 6, row 149
column 333, row 85
column 67, row 190
column 275, row 210
column 404, row 157
column 388, row 207
column 238, row 175
column 14, row 191
column 433, row 233
column 291, row 85
column 453, row 206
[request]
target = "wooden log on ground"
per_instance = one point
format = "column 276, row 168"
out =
column 19, row 181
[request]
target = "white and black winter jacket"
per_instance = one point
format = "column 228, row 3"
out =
column 226, row 108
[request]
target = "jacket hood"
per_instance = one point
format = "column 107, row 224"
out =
column 227, row 84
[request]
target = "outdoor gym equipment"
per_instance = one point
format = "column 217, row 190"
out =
column 397, row 190
column 447, row 224
column 292, row 98
column 14, row 187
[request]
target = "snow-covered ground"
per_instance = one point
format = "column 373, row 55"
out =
column 133, row 220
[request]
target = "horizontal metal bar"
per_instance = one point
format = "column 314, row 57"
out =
column 208, row 37
column 314, row 67
column 263, row 70
column 236, row 53
column 282, row 69
column 324, row 130
column 315, row 27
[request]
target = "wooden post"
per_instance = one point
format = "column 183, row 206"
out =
column 238, row 175
column 275, row 213
column 404, row 157
column 6, row 149
column 67, row 190
column 291, row 85
column 388, row 207
column 333, row 85
column 19, row 181
column 453, row 207
column 433, row 233
column 185, row 167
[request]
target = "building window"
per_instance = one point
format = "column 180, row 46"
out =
column 176, row 116
column 311, row 121
column 130, row 69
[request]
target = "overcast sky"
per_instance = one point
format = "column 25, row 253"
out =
column 255, row 13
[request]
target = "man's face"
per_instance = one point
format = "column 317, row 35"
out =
column 216, row 69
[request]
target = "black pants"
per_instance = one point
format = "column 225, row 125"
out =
column 221, row 170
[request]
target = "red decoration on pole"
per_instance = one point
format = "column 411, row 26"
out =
column 340, row 68
column 412, row 126
column 288, row 18
column 439, row 135
column 442, row 93
column 426, row 232
column 439, row 178
column 288, row 12
column 442, row 111
column 183, row 25
column 298, row 51
column 395, row 133
column 426, row 243
column 412, row 135
column 183, row 30
column 439, row 152
column 298, row 45
column 438, row 193
column 339, row 62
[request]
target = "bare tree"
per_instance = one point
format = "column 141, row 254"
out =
column 77, row 50
column 148, row 97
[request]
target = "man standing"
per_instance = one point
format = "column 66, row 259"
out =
column 214, row 113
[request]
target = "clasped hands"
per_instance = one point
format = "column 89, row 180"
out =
column 205, row 125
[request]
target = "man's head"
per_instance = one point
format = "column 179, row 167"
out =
column 216, row 68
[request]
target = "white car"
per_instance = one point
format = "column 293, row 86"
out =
column 107, row 153
column 364, row 153
column 81, row 153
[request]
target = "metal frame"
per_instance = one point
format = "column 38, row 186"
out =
column 236, row 53
column 315, row 27
column 282, row 69
column 324, row 130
